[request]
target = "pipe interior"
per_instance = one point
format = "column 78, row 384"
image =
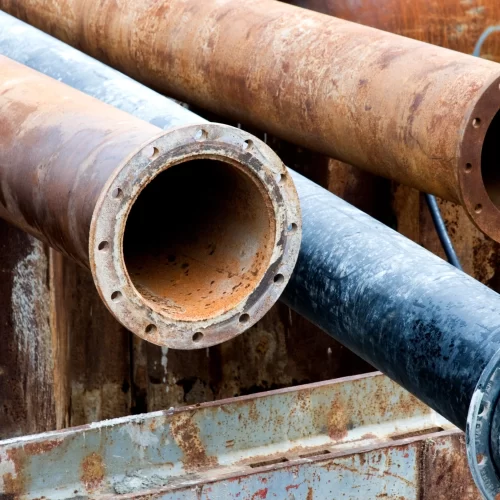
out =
column 199, row 239
column 490, row 166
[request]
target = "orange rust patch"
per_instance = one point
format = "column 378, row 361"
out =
column 14, row 483
column 41, row 447
column 93, row 471
column 338, row 420
column 445, row 470
column 309, row 493
column 186, row 434
column 253, row 413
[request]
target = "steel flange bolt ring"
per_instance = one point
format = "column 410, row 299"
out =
column 481, row 430
column 479, row 177
column 190, row 240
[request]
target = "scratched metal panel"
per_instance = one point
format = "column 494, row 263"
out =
column 177, row 447
column 389, row 473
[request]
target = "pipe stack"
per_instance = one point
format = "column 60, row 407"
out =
column 410, row 111
column 403, row 109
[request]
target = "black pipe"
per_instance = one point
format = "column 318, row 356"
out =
column 427, row 325
column 407, row 312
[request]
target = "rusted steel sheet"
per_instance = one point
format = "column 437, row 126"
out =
column 27, row 361
column 364, row 433
column 399, row 108
column 453, row 24
column 243, row 252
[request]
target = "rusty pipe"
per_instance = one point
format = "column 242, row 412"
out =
column 448, row 23
column 185, row 231
column 419, row 114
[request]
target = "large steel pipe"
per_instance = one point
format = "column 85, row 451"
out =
column 185, row 231
column 413, row 112
column 430, row 327
column 453, row 24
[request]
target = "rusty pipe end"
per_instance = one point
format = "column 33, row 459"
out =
column 194, row 238
column 479, row 161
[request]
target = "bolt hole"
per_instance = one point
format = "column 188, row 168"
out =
column 280, row 178
column 468, row 167
column 200, row 134
column 244, row 318
column 104, row 245
column 279, row 278
column 150, row 329
column 154, row 154
column 483, row 409
column 116, row 296
column 247, row 144
column 478, row 208
column 197, row 336
column 292, row 227
column 116, row 193
column 476, row 123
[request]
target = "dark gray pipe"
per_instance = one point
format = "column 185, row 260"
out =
column 425, row 324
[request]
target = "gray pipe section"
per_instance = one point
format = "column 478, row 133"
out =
column 33, row 48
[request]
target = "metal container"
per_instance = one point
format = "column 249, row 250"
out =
column 185, row 231
column 416, row 113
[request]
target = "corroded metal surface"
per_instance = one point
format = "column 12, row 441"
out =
column 328, row 84
column 235, row 242
column 364, row 433
column 454, row 24
column 26, row 361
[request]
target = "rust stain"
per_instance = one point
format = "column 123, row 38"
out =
column 260, row 494
column 93, row 471
column 16, row 483
column 38, row 448
column 445, row 472
column 338, row 421
column 310, row 493
column 187, row 436
column 253, row 412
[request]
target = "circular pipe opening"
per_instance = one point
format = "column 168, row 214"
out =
column 199, row 239
column 489, row 162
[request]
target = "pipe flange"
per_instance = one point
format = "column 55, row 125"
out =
column 474, row 195
column 479, row 430
column 209, row 141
